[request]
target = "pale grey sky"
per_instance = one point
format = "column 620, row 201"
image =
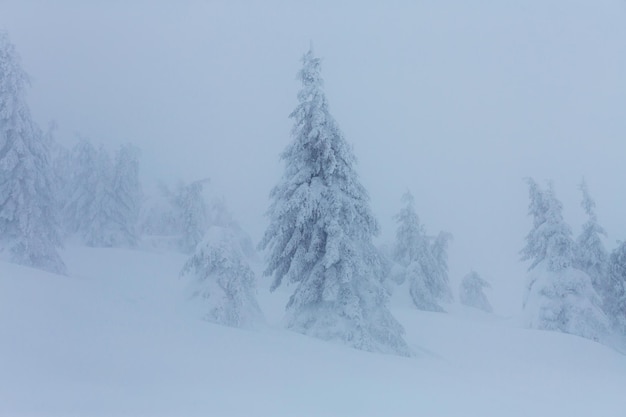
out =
column 456, row 101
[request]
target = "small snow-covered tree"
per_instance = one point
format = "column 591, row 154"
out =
column 615, row 296
column 221, row 277
column 126, row 195
column 471, row 292
column 423, row 259
column 28, row 211
column 321, row 229
column 592, row 257
column 564, row 301
column 558, row 296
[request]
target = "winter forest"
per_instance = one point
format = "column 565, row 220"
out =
column 196, row 268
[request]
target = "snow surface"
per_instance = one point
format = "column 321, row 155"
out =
column 117, row 338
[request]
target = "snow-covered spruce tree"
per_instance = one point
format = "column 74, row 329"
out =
column 28, row 216
column 592, row 257
column 423, row 263
column 615, row 299
column 126, row 195
column 558, row 296
column 471, row 292
column 320, row 232
column 221, row 277
column 550, row 238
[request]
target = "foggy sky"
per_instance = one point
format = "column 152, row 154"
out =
column 457, row 101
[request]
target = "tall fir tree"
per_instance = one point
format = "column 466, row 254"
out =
column 28, row 210
column 423, row 259
column 592, row 257
column 558, row 296
column 321, row 230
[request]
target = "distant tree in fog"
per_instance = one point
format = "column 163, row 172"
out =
column 423, row 259
column 320, row 232
column 185, row 212
column 471, row 292
column 28, row 210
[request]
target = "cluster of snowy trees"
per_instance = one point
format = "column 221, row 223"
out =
column 49, row 193
column 574, row 285
column 29, row 226
column 421, row 259
column 100, row 197
column 319, row 237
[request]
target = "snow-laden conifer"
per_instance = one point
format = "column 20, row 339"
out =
column 592, row 257
column 565, row 301
column 321, row 229
column 471, row 292
column 222, row 279
column 550, row 239
column 423, row 259
column 558, row 296
column 29, row 228
column 615, row 296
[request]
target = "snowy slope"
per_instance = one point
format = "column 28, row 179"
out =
column 117, row 338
